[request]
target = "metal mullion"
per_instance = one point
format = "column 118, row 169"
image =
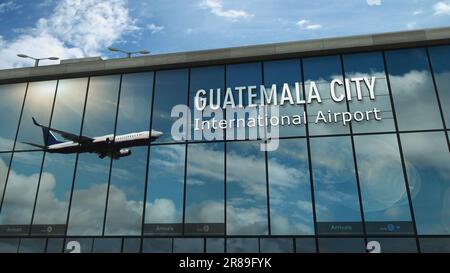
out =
column 358, row 186
column 266, row 162
column 225, row 235
column 69, row 207
column 14, row 146
column 183, row 220
column 441, row 111
column 308, row 144
column 43, row 158
column 148, row 163
column 405, row 174
column 112, row 153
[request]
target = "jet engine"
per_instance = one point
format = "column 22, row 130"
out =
column 124, row 152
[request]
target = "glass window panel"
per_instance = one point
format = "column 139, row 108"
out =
column 57, row 173
column 276, row 245
column 5, row 159
column 55, row 245
column 157, row 245
column 215, row 245
column 440, row 61
column 383, row 189
column 26, row 166
column 11, row 99
column 342, row 245
column 131, row 245
column 188, row 245
column 85, row 245
column 205, row 189
column 246, row 189
column 368, row 65
column 434, row 245
column 107, row 245
column 126, row 193
column 279, row 73
column 206, row 78
column 290, row 189
column 427, row 161
column 164, row 208
column 305, row 245
column 171, row 88
column 89, row 197
column 242, row 245
column 20, row 193
column 32, row 245
column 412, row 89
column 135, row 101
column 336, row 196
column 323, row 70
column 242, row 75
column 69, row 104
column 38, row 104
column 54, row 192
column 101, row 106
column 245, row 74
column 9, row 245
column 396, row 245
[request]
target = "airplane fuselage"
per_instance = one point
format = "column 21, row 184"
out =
column 114, row 146
column 110, row 145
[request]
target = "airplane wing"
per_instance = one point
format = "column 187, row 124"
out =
column 66, row 135
column 35, row 145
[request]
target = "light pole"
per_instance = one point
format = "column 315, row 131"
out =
column 36, row 60
column 129, row 53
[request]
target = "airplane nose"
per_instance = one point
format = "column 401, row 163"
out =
column 156, row 133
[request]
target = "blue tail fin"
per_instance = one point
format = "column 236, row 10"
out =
column 49, row 137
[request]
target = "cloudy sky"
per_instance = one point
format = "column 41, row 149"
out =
column 77, row 28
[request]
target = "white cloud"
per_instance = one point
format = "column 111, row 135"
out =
column 34, row 46
column 304, row 24
column 161, row 210
column 88, row 24
column 418, row 12
column 75, row 29
column 246, row 221
column 155, row 28
column 209, row 211
column 8, row 6
column 46, row 3
column 373, row 2
column 216, row 8
column 442, row 8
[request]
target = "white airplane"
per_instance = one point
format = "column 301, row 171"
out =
column 107, row 145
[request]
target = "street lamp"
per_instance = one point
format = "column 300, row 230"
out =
column 129, row 53
column 36, row 60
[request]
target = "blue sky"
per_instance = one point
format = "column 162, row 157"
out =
column 79, row 28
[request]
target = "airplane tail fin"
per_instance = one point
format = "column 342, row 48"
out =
column 49, row 137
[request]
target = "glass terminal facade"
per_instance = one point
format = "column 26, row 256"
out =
column 327, row 188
